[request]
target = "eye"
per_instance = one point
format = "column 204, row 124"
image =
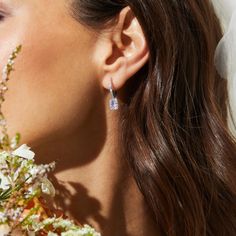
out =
column 2, row 17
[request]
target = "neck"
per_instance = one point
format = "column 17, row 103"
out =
column 94, row 184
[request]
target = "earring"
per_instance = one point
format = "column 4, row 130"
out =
column 113, row 103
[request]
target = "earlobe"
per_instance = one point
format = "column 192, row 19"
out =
column 129, row 50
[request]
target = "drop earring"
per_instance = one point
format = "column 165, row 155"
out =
column 113, row 103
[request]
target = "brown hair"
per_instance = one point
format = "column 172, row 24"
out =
column 175, row 134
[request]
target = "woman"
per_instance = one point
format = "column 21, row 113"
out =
column 162, row 160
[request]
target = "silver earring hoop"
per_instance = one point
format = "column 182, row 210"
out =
column 113, row 103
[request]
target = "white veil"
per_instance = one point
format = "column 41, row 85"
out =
column 225, row 56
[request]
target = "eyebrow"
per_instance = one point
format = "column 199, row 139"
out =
column 7, row 4
column 3, row 4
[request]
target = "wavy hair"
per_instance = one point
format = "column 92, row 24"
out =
column 175, row 136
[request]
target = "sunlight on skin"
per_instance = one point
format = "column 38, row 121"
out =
column 58, row 102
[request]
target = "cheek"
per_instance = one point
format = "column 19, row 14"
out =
column 51, row 92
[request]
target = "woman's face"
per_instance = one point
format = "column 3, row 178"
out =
column 55, row 83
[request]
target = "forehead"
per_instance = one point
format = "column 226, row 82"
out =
column 12, row 3
column 45, row 6
column 38, row 2
column 15, row 2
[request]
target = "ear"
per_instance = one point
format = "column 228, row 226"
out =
column 125, row 52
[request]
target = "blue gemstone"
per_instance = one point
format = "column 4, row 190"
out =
column 114, row 104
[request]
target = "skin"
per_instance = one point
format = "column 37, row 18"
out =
column 58, row 100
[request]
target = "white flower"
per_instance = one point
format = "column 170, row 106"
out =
column 4, row 182
column 3, row 156
column 4, row 229
column 14, row 214
column 64, row 223
column 3, row 217
column 47, row 187
column 52, row 234
column 85, row 231
column 25, row 152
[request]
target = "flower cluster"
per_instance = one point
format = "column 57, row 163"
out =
column 24, row 186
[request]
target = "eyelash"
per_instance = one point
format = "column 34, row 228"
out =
column 2, row 17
